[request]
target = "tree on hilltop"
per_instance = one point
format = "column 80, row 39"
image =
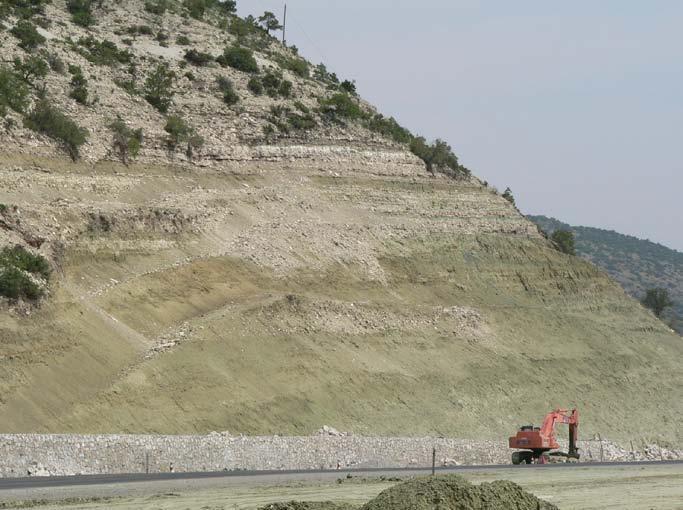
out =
column 269, row 22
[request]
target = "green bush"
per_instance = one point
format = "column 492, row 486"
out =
column 46, row 119
column 286, row 120
column 564, row 241
column 389, row 128
column 103, row 52
column 24, row 9
column 507, row 195
column 227, row 88
column 438, row 157
column 79, row 85
column 183, row 40
column 181, row 133
column 31, row 68
column 158, row 88
column 198, row 58
column 13, row 91
column 255, row 86
column 81, row 12
column 126, row 141
column 3, row 208
column 341, row 105
column 195, row 8
column 28, row 35
column 321, row 74
column 158, row 7
column 297, row 65
column 349, row 87
column 23, row 259
column 239, row 58
column 127, row 85
column 15, row 284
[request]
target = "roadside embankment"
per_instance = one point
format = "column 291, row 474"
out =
column 57, row 455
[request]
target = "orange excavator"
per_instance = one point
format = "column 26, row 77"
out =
column 536, row 443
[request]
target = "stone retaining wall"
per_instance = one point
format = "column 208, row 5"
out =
column 45, row 455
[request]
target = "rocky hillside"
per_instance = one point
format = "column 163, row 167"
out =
column 635, row 263
column 269, row 260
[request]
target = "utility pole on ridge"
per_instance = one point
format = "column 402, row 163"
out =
column 284, row 28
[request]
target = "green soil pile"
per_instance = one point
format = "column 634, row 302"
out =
column 440, row 493
column 455, row 493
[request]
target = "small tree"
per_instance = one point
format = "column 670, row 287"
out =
column 657, row 300
column 45, row 118
column 13, row 91
column 227, row 88
column 564, row 240
column 28, row 35
column 349, row 87
column 31, row 68
column 507, row 195
column 269, row 22
column 81, row 12
column 126, row 141
column 79, row 85
column 181, row 133
column 239, row 58
column 158, row 88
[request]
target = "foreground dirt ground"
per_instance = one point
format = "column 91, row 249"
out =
column 595, row 487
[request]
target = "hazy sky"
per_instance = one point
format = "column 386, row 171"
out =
column 574, row 105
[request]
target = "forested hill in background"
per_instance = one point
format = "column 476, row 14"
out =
column 636, row 264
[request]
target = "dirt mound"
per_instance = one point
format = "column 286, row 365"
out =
column 455, row 493
column 298, row 505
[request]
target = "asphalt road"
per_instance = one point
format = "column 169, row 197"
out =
column 256, row 477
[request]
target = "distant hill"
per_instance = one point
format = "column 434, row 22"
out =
column 635, row 263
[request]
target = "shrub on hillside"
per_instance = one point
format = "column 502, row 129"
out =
column 15, row 284
column 23, row 259
column 255, row 86
column 13, row 92
column 81, row 12
column 341, row 105
column 507, row 195
column 103, row 52
column 23, row 9
column 349, row 87
column 564, row 240
column 158, row 88
column 30, row 69
column 297, row 65
column 321, row 74
column 181, row 133
column 198, row 58
column 126, row 141
column 227, row 88
column 239, row 58
column 183, row 40
column 79, row 85
column 26, row 32
column 158, row 7
column 47, row 119
column 657, row 300
column 438, row 157
column 389, row 128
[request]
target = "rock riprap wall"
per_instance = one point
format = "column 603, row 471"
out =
column 57, row 455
